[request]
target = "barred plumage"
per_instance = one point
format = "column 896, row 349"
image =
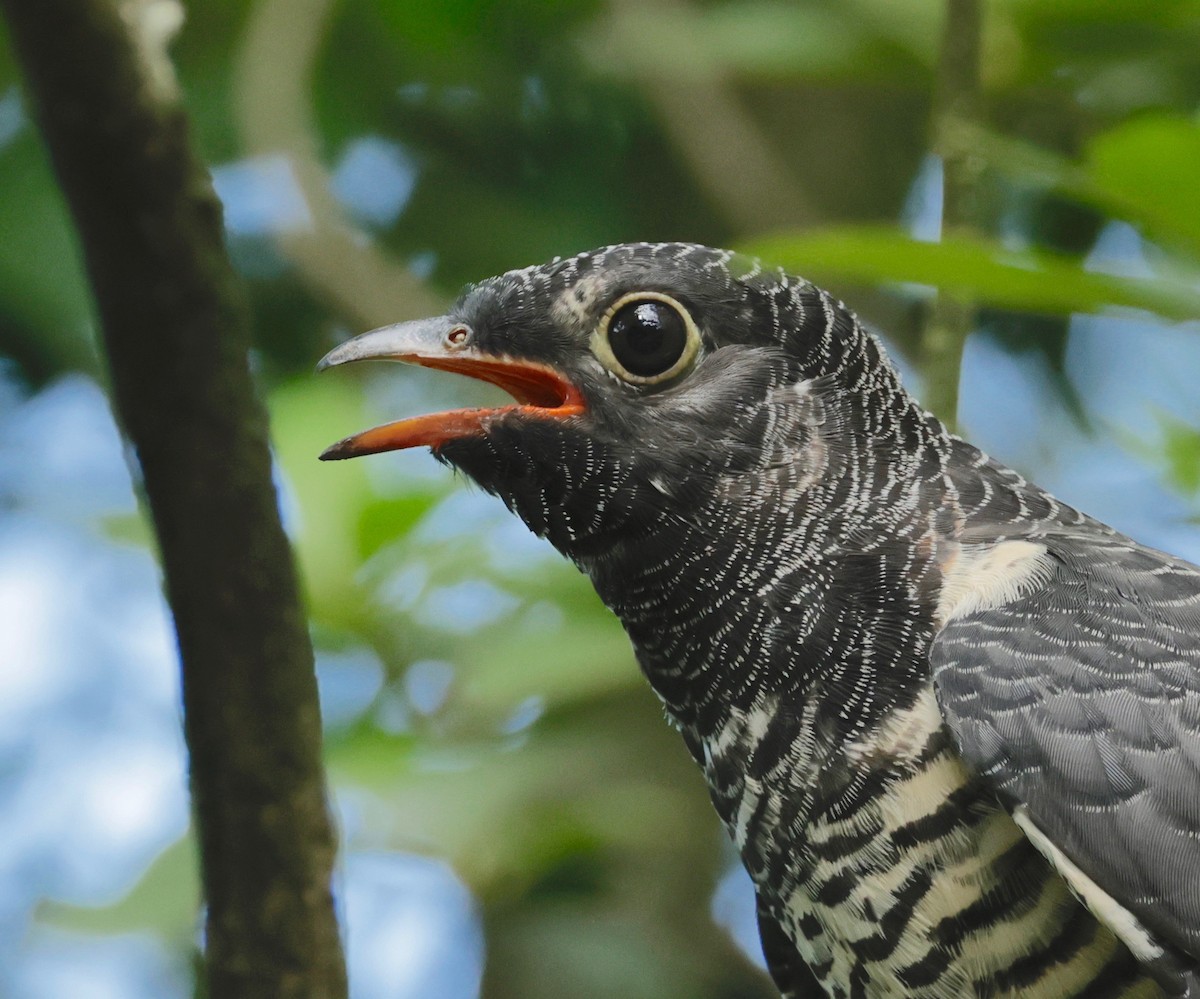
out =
column 951, row 724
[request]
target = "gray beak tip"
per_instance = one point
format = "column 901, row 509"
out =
column 339, row 355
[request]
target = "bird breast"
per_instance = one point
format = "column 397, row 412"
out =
column 920, row 884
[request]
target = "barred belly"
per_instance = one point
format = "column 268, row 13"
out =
column 928, row 888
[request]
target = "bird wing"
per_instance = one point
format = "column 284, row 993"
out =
column 1071, row 678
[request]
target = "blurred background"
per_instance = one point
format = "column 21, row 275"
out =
column 516, row 818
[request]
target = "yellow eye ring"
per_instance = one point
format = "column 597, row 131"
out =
column 646, row 337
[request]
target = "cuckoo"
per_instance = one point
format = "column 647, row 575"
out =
column 951, row 724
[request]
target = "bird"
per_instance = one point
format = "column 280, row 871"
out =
column 951, row 724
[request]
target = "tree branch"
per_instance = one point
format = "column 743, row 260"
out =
column 749, row 185
column 273, row 69
column 956, row 106
column 176, row 336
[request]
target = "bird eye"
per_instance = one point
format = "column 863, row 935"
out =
column 647, row 338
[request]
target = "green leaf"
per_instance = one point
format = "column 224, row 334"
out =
column 1142, row 171
column 42, row 286
column 583, row 659
column 384, row 520
column 164, row 900
column 753, row 39
column 367, row 756
column 1015, row 279
column 1181, row 448
column 127, row 528
column 307, row 415
column 1150, row 167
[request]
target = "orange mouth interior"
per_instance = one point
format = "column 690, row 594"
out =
column 539, row 391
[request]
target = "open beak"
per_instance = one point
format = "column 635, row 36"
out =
column 538, row 389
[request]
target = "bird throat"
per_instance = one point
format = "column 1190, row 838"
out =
column 777, row 579
column 775, row 582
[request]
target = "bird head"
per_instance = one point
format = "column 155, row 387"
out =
column 649, row 381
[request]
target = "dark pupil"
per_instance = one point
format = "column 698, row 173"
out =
column 647, row 337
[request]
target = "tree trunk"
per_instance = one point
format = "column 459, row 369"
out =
column 176, row 335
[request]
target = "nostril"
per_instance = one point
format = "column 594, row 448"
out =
column 458, row 336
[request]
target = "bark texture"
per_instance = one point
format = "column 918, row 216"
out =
column 176, row 336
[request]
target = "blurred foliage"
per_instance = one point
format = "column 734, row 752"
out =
column 1180, row 451
column 506, row 727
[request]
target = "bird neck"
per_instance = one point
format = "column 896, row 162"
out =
column 803, row 581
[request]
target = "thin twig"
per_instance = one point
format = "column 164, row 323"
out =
column 956, row 105
column 177, row 336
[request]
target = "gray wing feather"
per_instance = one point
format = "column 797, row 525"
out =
column 1081, row 700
